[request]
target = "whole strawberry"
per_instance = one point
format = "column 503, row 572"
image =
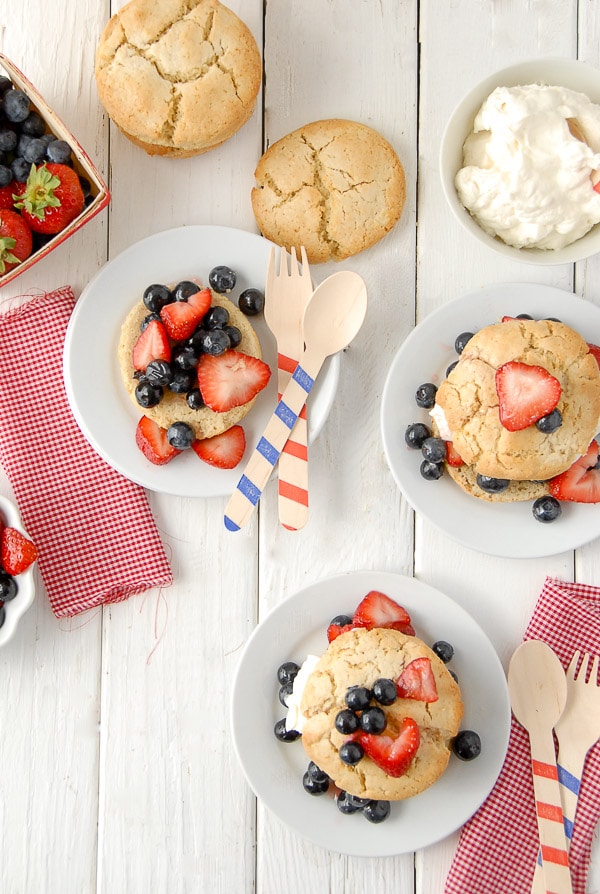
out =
column 15, row 240
column 52, row 198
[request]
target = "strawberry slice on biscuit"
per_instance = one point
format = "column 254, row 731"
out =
column 393, row 754
column 378, row 610
column 581, row 482
column 525, row 394
column 231, row 379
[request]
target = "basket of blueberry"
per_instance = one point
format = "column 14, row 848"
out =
column 49, row 187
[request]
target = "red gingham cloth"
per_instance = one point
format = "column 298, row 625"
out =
column 498, row 847
column 95, row 533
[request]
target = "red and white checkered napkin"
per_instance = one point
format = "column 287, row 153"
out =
column 498, row 847
column 94, row 530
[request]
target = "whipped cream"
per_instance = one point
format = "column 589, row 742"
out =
column 439, row 417
column 295, row 719
column 526, row 177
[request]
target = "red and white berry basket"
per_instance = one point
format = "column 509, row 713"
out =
column 82, row 164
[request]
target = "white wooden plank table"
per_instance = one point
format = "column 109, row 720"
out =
column 112, row 778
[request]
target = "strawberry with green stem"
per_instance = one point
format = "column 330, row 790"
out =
column 16, row 242
column 52, row 198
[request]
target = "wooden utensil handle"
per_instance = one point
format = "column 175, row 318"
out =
column 548, row 807
column 293, row 462
column 266, row 453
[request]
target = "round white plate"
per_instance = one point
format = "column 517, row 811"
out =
column 499, row 529
column 274, row 769
column 98, row 399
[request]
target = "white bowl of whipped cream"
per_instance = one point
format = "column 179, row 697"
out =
column 520, row 161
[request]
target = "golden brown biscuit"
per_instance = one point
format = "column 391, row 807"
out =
column 469, row 400
column 358, row 658
column 334, row 186
column 177, row 78
column 173, row 407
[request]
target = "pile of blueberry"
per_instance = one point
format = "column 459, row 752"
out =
column 8, row 590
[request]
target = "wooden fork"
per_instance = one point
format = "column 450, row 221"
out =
column 577, row 730
column 286, row 295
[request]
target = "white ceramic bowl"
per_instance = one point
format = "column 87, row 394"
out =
column 557, row 72
column 16, row 608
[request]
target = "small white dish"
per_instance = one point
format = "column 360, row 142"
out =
column 101, row 406
column 16, row 608
column 274, row 769
column 556, row 72
column 499, row 529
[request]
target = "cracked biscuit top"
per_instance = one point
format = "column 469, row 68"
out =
column 334, row 186
column 470, row 401
column 359, row 658
column 178, row 77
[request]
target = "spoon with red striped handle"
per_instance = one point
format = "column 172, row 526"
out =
column 538, row 693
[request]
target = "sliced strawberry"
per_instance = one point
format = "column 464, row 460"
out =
column 595, row 350
column 417, row 681
column 17, row 552
column 152, row 344
column 580, row 483
column 596, row 186
column 180, row 319
column 335, row 630
column 506, row 318
column 231, row 379
column 200, row 301
column 152, row 441
column 453, row 457
column 393, row 755
column 525, row 394
column 223, row 451
column 378, row 610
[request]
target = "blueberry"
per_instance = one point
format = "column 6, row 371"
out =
column 553, row 319
column 5, row 84
column 149, row 318
column 5, row 175
column 523, row 317
column 222, row 279
column 156, row 296
column 283, row 734
column 466, row 745
column 58, row 152
column 8, row 140
column 425, row 395
column 384, row 691
column 180, row 435
column 372, row 720
column 376, row 811
column 415, row 434
column 450, row 368
column 314, row 786
column 461, row 341
column 33, row 151
column 16, row 106
column 215, row 342
column 159, row 372
column 194, row 399
column 8, row 587
column 345, row 805
column 443, row 650
column 357, row 801
column 20, row 169
column 350, row 753
column 235, row 336
column 316, row 772
column 546, row 509
column 548, row 424
column 215, row 318
column 183, row 381
column 358, row 698
column 492, row 485
column 431, row 471
column 284, row 693
column 148, row 395
column 2, row 615
column 341, row 620
column 48, row 138
column 287, row 672
column 434, row 450
column 251, row 302
column 196, row 340
column 453, row 675
column 86, row 186
column 346, row 722
column 184, row 357
column 34, row 125
column 184, row 289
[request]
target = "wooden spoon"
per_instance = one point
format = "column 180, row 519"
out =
column 538, row 693
column 333, row 317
